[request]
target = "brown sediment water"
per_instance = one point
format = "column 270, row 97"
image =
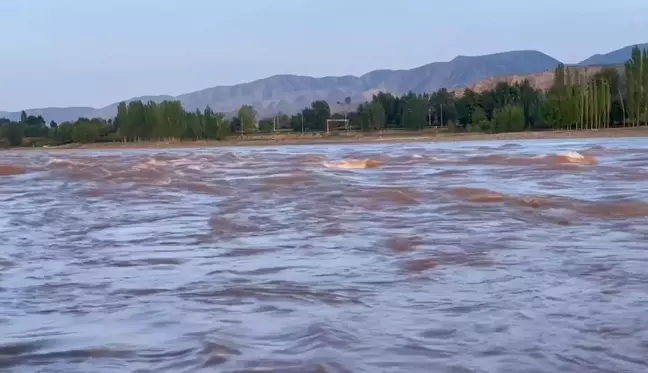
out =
column 10, row 170
column 444, row 257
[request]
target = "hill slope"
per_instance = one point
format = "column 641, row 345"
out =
column 615, row 57
column 290, row 93
column 542, row 81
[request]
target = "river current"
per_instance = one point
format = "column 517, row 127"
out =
column 442, row 257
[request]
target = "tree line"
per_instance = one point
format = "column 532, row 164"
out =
column 577, row 100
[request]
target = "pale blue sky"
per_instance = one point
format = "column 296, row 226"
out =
column 95, row 52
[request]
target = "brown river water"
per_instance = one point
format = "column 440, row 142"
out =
column 453, row 257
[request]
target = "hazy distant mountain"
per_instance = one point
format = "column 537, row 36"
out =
column 291, row 93
column 616, row 57
column 54, row 113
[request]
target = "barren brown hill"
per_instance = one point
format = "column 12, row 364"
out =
column 541, row 81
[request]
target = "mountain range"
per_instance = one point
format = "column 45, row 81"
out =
column 291, row 93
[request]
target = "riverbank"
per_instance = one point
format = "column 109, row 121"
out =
column 360, row 138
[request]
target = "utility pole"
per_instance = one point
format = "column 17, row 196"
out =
column 429, row 117
column 302, row 120
column 441, row 116
column 274, row 124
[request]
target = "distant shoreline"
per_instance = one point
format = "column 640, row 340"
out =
column 359, row 138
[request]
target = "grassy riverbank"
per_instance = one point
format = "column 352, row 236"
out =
column 359, row 138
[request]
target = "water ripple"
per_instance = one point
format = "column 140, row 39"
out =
column 468, row 257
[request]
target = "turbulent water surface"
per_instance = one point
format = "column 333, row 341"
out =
column 470, row 257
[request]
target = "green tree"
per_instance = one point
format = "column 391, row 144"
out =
column 193, row 126
column 151, row 121
column 267, row 124
column 85, row 132
column 466, row 106
column 13, row 133
column 318, row 115
column 559, row 85
column 508, row 119
column 137, row 121
column 247, row 118
column 478, row 115
column 122, row 123
column 376, row 116
column 215, row 125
